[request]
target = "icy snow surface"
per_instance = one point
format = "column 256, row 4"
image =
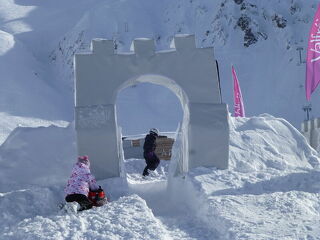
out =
column 270, row 191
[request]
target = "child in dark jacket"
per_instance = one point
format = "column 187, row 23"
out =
column 149, row 148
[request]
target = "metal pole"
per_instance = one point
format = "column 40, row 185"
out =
column 300, row 56
column 307, row 109
column 217, row 66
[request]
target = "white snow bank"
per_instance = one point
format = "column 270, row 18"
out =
column 127, row 218
column 15, row 206
column 270, row 191
column 8, row 123
column 40, row 156
column 275, row 144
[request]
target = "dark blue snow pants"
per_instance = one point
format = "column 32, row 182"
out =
column 152, row 162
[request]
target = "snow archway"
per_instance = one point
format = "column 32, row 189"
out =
column 188, row 71
column 161, row 87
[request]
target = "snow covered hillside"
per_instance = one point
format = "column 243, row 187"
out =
column 270, row 191
column 259, row 38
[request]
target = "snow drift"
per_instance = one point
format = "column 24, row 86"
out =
column 40, row 156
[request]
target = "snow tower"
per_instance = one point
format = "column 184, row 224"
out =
column 190, row 72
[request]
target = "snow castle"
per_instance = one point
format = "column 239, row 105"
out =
column 190, row 72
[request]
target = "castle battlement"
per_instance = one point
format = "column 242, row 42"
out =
column 144, row 46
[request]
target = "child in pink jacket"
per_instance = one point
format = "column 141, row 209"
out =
column 79, row 183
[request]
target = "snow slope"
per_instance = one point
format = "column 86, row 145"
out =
column 270, row 191
column 26, row 99
column 259, row 38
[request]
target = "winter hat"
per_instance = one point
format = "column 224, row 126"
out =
column 84, row 159
column 154, row 131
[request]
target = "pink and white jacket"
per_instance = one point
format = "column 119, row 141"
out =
column 81, row 180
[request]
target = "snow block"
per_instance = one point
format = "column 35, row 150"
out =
column 143, row 46
column 95, row 137
column 102, row 46
column 189, row 72
column 184, row 42
column 208, row 135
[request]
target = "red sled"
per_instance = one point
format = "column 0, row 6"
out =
column 97, row 197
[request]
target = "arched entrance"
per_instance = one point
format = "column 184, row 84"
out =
column 183, row 102
column 188, row 71
column 146, row 105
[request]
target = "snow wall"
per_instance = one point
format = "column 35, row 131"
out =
column 189, row 72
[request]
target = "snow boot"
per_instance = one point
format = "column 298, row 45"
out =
column 145, row 172
column 69, row 207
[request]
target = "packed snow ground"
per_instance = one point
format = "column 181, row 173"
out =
column 270, row 191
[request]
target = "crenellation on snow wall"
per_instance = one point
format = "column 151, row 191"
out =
column 102, row 46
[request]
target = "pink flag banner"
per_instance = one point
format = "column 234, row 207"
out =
column 238, row 101
column 313, row 57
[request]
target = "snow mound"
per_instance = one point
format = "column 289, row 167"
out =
column 273, row 142
column 8, row 123
column 15, row 206
column 127, row 218
column 271, row 188
column 40, row 156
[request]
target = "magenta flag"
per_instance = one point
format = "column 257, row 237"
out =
column 313, row 56
column 237, row 96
